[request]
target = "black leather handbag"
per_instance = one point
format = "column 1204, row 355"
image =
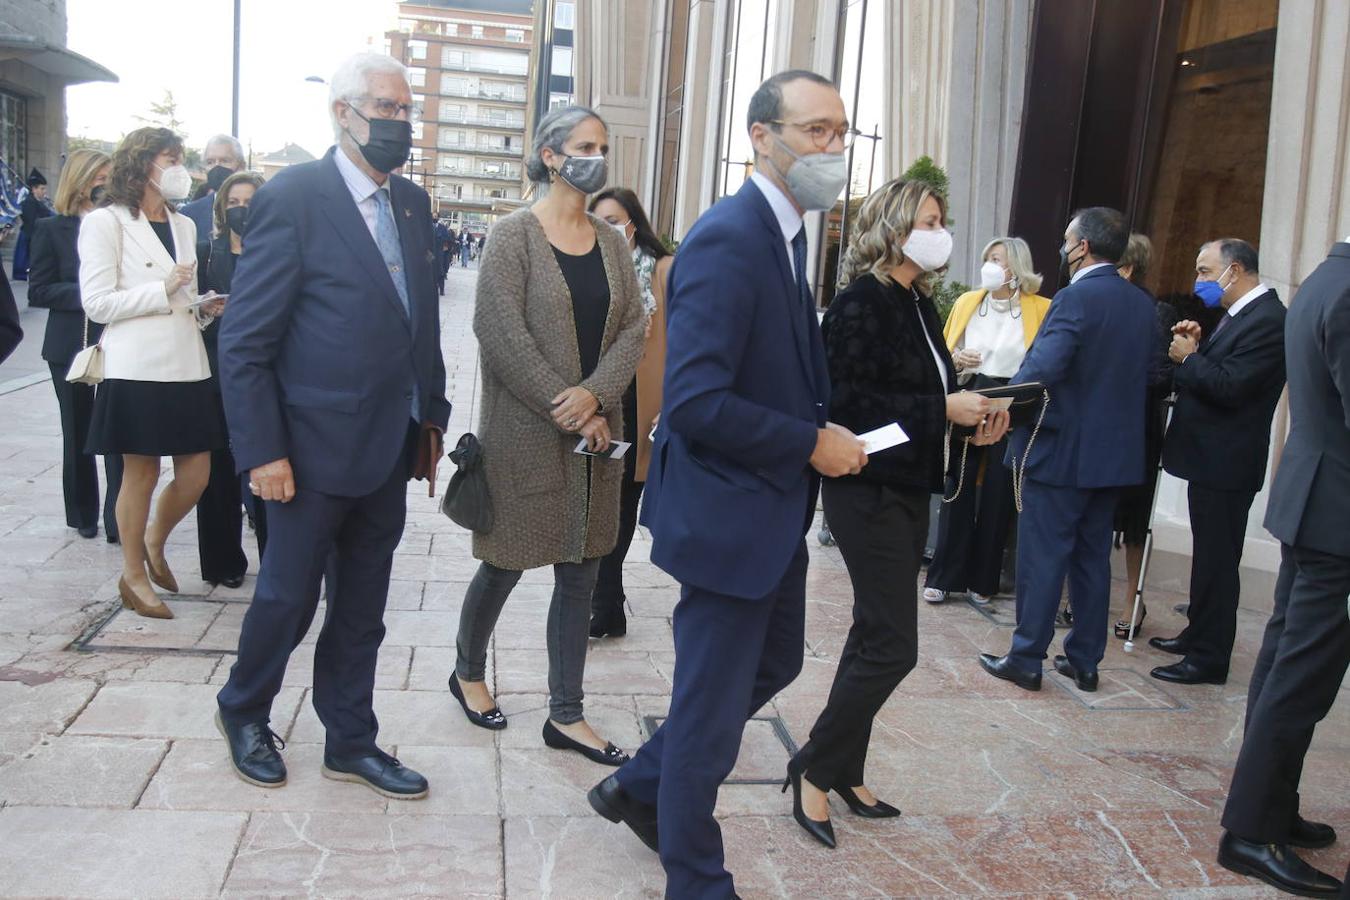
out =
column 467, row 501
column 1029, row 402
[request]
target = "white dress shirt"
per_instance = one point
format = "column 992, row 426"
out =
column 362, row 186
column 789, row 220
column 1247, row 298
column 1086, row 269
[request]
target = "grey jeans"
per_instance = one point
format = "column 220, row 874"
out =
column 569, row 617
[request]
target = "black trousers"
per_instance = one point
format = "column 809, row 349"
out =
column 880, row 532
column 1218, row 527
column 79, row 470
column 609, row 581
column 1303, row 659
column 220, row 521
column 354, row 539
column 973, row 529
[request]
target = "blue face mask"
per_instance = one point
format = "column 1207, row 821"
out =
column 1210, row 292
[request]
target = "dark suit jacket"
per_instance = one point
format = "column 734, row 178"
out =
column 200, row 211
column 1094, row 354
column 1226, row 396
column 729, row 491
column 54, row 283
column 10, row 332
column 882, row 371
column 215, row 272
column 317, row 356
column 1312, row 486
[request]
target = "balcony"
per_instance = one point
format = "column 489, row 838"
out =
column 480, row 94
column 508, row 152
column 483, row 122
column 472, row 175
column 486, row 68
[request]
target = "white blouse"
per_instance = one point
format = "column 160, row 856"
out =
column 999, row 337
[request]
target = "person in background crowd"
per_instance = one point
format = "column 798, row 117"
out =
column 137, row 270
column 1093, row 356
column 33, row 209
column 1306, row 648
column 560, row 324
column 732, row 487
column 442, row 233
column 220, row 520
column 621, row 208
column 10, row 332
column 1134, row 509
column 452, row 249
column 54, row 283
column 988, row 333
column 1219, row 442
column 887, row 363
column 334, row 386
column 465, row 248
column 222, row 157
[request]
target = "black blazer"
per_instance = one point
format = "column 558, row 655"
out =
column 1307, row 500
column 54, row 283
column 1226, row 397
column 882, row 371
column 215, row 271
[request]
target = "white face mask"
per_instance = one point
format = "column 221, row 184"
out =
column 929, row 250
column 992, row 277
column 621, row 228
column 175, row 183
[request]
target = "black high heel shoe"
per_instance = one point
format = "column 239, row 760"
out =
column 878, row 810
column 492, row 720
column 610, row 621
column 1123, row 626
column 821, row 831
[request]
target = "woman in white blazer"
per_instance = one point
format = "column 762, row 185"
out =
column 137, row 274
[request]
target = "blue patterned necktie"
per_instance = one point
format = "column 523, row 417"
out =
column 799, row 265
column 386, row 238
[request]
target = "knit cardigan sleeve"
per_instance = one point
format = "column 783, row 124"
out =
column 504, row 340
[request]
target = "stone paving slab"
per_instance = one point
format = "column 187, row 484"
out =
column 82, row 771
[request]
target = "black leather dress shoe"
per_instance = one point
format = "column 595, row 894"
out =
column 1187, row 673
column 1277, row 865
column 1086, row 681
column 90, row 531
column 253, row 752
column 610, row 800
column 1312, row 835
column 1169, row 645
column 380, row 772
column 1000, row 667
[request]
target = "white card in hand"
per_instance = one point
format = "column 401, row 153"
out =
column 882, row 438
column 616, row 449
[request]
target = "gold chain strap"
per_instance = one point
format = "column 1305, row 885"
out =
column 946, row 462
column 1020, row 473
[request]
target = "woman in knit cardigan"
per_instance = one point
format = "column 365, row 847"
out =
column 559, row 322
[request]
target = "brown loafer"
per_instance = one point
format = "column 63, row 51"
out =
column 134, row 601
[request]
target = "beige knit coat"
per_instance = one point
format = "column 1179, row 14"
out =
column 546, row 511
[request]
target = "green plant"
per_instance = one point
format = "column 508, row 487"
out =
column 925, row 170
column 945, row 294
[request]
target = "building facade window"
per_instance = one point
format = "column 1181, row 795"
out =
column 565, row 15
column 477, row 31
column 452, row 112
column 561, row 61
column 515, row 35
column 417, row 77
column 417, row 49
column 454, row 58
column 14, row 132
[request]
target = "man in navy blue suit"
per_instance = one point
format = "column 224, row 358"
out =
column 1094, row 355
column 334, row 391
column 734, row 475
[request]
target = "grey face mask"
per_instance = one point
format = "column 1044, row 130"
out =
column 587, row 174
column 816, row 179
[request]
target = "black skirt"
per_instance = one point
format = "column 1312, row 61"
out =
column 156, row 418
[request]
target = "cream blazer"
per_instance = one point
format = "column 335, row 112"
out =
column 150, row 334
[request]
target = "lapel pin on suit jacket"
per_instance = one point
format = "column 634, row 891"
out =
column 407, row 213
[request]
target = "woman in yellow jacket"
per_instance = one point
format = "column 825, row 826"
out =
column 988, row 332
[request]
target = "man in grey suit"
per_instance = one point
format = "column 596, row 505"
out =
column 1307, row 644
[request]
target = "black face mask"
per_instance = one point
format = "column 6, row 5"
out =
column 1066, row 264
column 389, row 144
column 97, row 194
column 236, row 217
column 216, row 177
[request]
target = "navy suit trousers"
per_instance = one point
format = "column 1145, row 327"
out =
column 360, row 534
column 732, row 656
column 1063, row 532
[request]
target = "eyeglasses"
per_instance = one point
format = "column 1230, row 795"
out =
column 822, row 136
column 391, row 109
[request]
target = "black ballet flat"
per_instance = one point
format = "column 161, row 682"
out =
column 492, row 720
column 878, row 810
column 610, row 756
column 821, row 831
column 1123, row 626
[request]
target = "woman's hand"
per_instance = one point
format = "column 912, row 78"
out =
column 573, row 408
column 182, row 274
column 966, row 359
column 966, row 408
column 596, row 432
column 992, row 429
column 214, row 308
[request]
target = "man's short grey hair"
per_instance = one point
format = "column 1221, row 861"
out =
column 230, row 139
column 352, row 80
column 553, row 131
column 1236, row 250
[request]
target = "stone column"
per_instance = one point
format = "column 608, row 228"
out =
column 700, row 125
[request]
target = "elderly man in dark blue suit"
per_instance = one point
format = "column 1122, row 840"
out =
column 1306, row 649
column 1093, row 354
column 733, row 480
column 334, row 391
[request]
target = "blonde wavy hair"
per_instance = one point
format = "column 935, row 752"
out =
column 884, row 223
column 77, row 179
column 1018, row 255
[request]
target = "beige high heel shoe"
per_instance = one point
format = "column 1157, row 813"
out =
column 161, row 576
column 134, row 601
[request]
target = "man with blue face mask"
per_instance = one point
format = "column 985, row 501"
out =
column 1219, row 440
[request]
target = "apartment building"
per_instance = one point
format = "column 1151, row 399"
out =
column 469, row 63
